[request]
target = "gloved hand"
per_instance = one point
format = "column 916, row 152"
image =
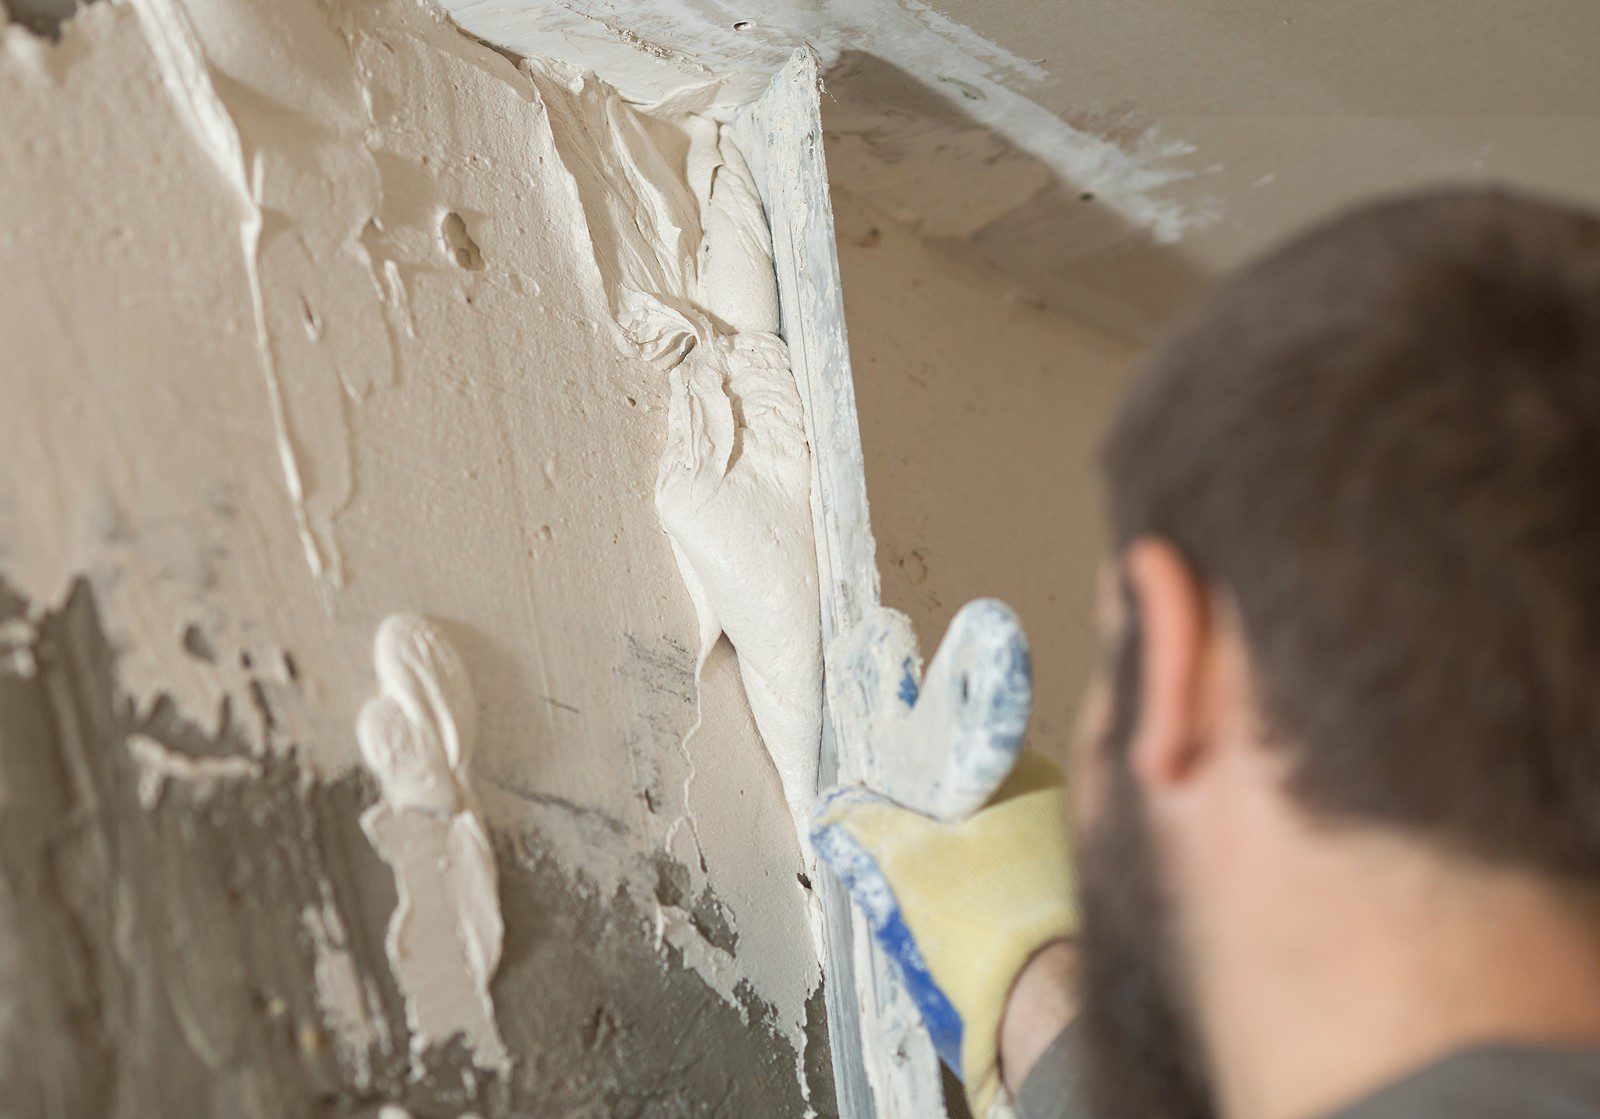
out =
column 960, row 905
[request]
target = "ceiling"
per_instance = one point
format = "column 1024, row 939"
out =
column 1108, row 156
column 1297, row 107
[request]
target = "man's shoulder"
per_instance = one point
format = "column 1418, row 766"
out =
column 1493, row 1081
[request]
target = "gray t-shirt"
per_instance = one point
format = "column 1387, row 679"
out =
column 1491, row 1081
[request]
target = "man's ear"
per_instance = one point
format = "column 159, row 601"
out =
column 1175, row 628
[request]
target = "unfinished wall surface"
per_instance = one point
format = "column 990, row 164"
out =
column 1087, row 208
column 331, row 558
column 980, row 416
column 1109, row 156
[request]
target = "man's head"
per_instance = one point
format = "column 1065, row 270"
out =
column 1355, row 505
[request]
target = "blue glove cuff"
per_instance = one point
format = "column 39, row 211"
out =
column 858, row 870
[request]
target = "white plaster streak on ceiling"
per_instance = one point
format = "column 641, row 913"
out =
column 974, row 44
column 652, row 51
column 1108, row 157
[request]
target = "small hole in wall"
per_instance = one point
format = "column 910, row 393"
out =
column 458, row 243
column 258, row 697
column 313, row 323
column 1086, row 196
column 743, row 25
column 197, row 644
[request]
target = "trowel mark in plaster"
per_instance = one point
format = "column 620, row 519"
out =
column 390, row 284
column 445, row 935
column 288, row 455
column 186, row 74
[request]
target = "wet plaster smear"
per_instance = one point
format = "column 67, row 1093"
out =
column 393, row 430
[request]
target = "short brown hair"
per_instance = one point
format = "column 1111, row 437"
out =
column 1383, row 443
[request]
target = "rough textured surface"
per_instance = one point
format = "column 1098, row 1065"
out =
column 160, row 963
column 159, row 955
column 336, row 347
column 615, row 1029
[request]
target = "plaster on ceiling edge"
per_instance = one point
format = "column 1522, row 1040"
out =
column 926, row 120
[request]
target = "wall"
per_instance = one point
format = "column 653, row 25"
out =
column 306, row 327
column 980, row 415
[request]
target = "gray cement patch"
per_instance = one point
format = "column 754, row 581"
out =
column 42, row 17
column 156, row 957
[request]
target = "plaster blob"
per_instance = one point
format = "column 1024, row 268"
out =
column 445, row 934
column 734, row 488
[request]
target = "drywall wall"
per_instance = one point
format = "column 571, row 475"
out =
column 980, row 417
column 331, row 553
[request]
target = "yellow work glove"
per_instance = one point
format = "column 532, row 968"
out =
column 961, row 905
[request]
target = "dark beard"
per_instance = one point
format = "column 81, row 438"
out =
column 1142, row 1057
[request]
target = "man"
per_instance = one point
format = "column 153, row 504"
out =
column 1338, row 803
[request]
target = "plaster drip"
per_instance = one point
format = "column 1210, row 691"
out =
column 186, row 74
column 445, row 934
column 160, row 766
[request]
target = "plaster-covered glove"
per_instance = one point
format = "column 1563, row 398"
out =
column 960, row 905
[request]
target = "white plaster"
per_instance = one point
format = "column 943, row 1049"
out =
column 350, row 1008
column 445, row 932
column 734, row 488
column 662, row 194
column 17, row 637
column 160, row 766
